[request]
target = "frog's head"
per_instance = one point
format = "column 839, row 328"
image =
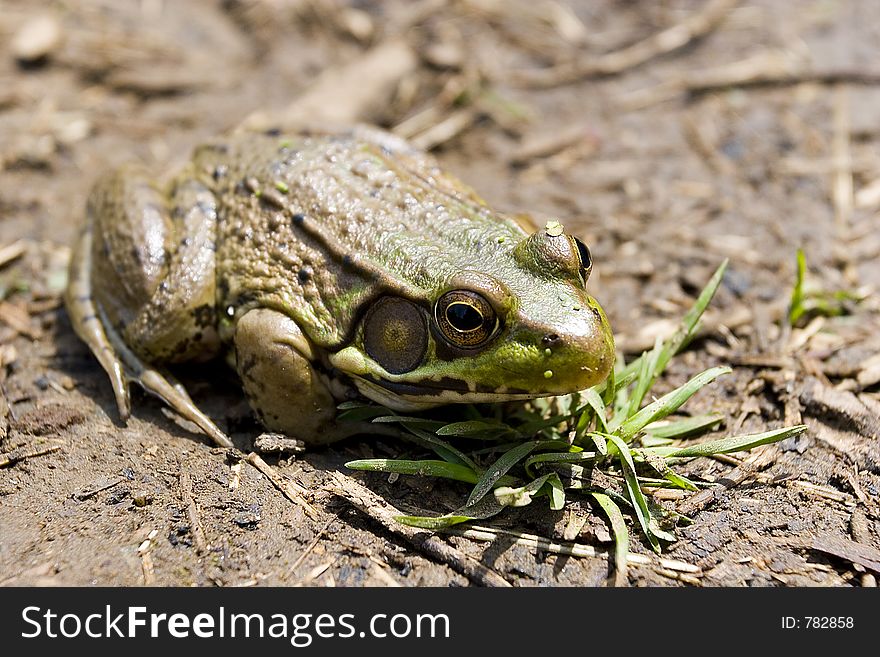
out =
column 519, row 327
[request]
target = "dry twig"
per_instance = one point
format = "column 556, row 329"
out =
column 480, row 533
column 12, row 251
column 192, row 513
column 18, row 318
column 311, row 546
column 821, row 491
column 286, row 486
column 346, row 94
column 101, row 485
column 27, row 452
column 545, row 144
column 859, row 553
column 842, row 187
column 861, row 534
column 383, row 513
column 839, row 405
column 774, row 67
column 146, row 559
column 673, row 38
column 235, row 475
column 453, row 125
column 761, row 458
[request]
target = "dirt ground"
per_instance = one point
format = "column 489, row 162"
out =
column 743, row 131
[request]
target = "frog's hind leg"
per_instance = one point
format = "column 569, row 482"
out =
column 120, row 363
column 155, row 300
column 87, row 323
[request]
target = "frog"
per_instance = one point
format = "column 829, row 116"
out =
column 327, row 267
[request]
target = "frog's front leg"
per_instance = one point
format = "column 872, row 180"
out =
column 275, row 362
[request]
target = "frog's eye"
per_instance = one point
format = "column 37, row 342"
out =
column 465, row 318
column 396, row 334
column 586, row 259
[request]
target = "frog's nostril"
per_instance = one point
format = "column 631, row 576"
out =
column 550, row 339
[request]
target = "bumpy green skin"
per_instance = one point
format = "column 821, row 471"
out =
column 315, row 229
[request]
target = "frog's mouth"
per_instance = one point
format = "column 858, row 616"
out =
column 414, row 396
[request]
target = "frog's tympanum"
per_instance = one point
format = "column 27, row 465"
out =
column 327, row 268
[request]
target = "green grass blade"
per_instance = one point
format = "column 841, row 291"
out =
column 443, row 449
column 649, row 440
column 495, row 448
column 425, row 468
column 687, row 427
column 625, row 376
column 432, row 522
column 647, row 377
column 679, row 481
column 668, row 403
column 621, row 376
column 623, row 380
column 556, row 492
column 485, row 508
column 349, row 405
column 533, row 427
column 731, row 444
column 584, row 420
column 482, row 429
column 595, row 402
column 796, row 306
column 621, row 536
column 624, row 405
column 424, row 422
column 359, row 412
column 662, row 467
column 557, row 457
column 610, row 388
column 688, row 325
column 498, row 469
column 640, row 504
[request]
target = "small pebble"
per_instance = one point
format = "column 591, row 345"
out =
column 36, row 40
column 250, row 518
column 275, row 443
column 444, row 55
column 357, row 23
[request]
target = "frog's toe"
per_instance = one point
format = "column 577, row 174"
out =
column 120, row 390
column 90, row 328
column 176, row 397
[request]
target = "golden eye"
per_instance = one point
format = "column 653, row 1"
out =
column 586, row 259
column 465, row 318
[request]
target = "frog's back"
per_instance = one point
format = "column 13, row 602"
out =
column 317, row 225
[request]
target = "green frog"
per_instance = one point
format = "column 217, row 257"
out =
column 325, row 268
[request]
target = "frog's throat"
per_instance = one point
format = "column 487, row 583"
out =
column 416, row 398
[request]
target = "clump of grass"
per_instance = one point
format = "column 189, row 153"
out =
column 550, row 448
column 808, row 300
